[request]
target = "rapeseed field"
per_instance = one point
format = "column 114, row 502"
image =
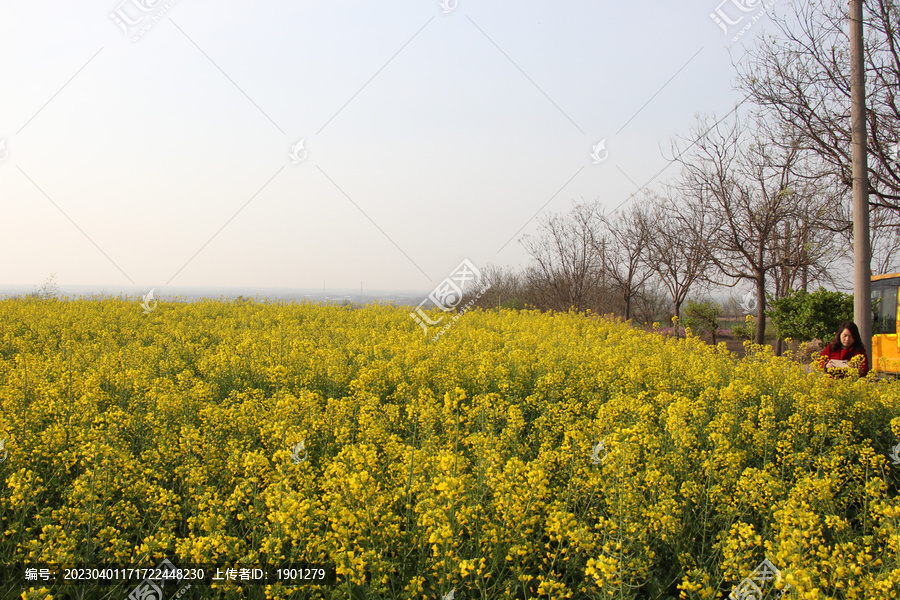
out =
column 521, row 455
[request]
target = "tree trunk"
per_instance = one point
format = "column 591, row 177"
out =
column 761, row 309
column 678, row 315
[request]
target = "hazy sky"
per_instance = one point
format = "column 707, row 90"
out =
column 156, row 151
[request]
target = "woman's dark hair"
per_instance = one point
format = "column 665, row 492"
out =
column 836, row 344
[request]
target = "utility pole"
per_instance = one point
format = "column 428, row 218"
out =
column 862, row 276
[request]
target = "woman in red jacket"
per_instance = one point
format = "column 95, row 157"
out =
column 846, row 345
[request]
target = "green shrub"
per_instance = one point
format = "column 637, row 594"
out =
column 703, row 316
column 804, row 317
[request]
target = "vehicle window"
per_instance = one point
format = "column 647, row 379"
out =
column 884, row 307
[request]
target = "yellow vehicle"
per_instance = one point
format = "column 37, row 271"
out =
column 885, row 346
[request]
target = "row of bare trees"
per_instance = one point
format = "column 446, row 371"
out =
column 762, row 197
column 739, row 212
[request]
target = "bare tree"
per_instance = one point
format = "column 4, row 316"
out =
column 805, row 247
column 505, row 287
column 623, row 250
column 884, row 229
column 651, row 304
column 567, row 268
column 801, row 81
column 677, row 250
column 743, row 192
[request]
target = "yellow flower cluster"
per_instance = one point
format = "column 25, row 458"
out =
column 520, row 455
